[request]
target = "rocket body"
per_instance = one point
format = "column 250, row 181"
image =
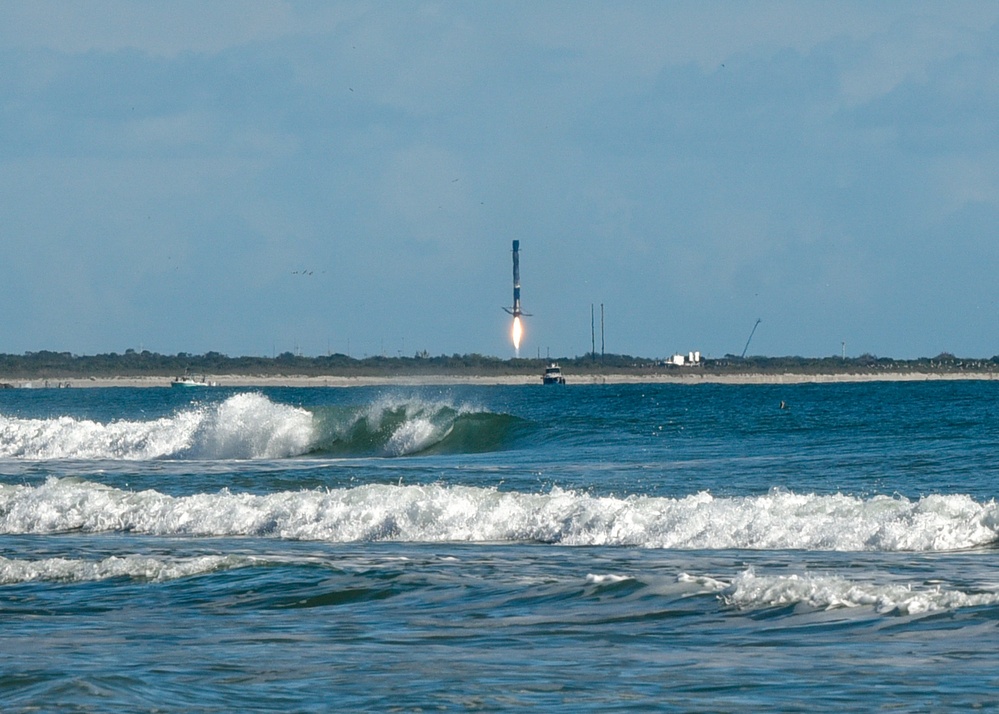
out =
column 515, row 310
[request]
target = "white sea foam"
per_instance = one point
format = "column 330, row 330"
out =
column 607, row 579
column 244, row 426
column 250, row 426
column 412, row 436
column 137, row 567
column 826, row 592
column 65, row 437
column 440, row 513
column 425, row 422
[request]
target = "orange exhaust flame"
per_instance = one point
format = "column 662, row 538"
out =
column 517, row 333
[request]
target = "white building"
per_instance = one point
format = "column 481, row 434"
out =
column 691, row 359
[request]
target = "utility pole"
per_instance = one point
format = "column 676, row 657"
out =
column 601, row 332
column 593, row 336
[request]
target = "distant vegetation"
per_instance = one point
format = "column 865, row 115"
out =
column 55, row 365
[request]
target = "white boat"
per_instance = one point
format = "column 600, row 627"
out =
column 189, row 381
column 553, row 375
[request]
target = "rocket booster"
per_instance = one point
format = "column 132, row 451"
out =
column 516, row 311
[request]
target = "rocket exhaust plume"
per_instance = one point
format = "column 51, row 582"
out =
column 518, row 329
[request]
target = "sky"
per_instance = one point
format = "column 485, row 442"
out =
column 258, row 177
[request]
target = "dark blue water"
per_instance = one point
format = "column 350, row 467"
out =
column 601, row 548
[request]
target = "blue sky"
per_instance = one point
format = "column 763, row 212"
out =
column 260, row 177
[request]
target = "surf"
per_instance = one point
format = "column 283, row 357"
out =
column 395, row 426
column 749, row 591
column 251, row 426
column 131, row 567
column 243, row 426
column 438, row 513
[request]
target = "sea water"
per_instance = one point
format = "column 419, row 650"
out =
column 601, row 548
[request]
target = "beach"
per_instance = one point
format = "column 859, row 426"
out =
column 689, row 377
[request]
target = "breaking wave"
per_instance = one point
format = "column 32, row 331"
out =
column 749, row 591
column 244, row 426
column 394, row 427
column 449, row 513
column 250, row 426
column 135, row 567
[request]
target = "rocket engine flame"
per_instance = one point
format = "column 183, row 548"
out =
column 518, row 330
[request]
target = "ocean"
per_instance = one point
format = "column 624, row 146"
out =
column 643, row 547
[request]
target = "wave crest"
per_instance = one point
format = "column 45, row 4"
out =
column 136, row 567
column 404, row 427
column 440, row 513
column 250, row 426
column 827, row 592
column 244, row 426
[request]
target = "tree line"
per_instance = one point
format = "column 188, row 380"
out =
column 54, row 365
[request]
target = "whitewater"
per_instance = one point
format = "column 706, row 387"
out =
column 586, row 547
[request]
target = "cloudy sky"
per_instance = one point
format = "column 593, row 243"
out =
column 260, row 177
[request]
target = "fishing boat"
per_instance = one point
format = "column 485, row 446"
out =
column 553, row 375
column 189, row 381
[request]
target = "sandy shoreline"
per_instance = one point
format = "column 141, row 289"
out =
column 451, row 380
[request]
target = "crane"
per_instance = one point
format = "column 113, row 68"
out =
column 758, row 321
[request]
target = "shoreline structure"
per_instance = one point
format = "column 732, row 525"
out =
column 231, row 380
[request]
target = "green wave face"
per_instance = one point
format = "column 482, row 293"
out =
column 404, row 428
